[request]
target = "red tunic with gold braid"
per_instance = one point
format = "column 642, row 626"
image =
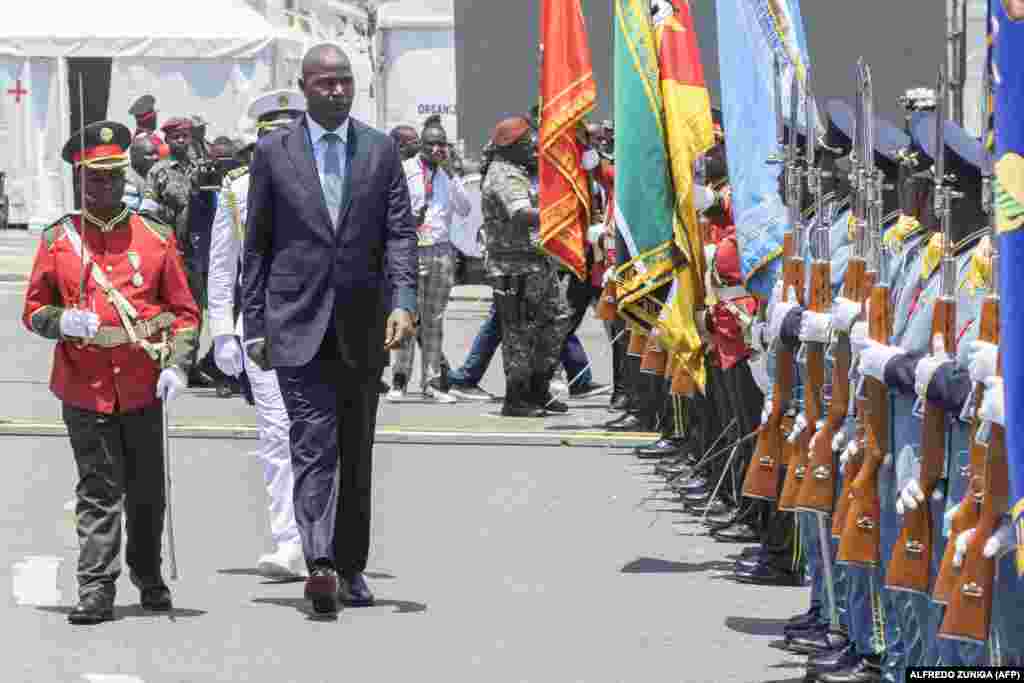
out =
column 139, row 258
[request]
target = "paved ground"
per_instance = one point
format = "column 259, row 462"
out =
column 491, row 562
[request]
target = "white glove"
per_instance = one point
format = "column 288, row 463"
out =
column 981, row 360
column 609, row 273
column 777, row 314
column 227, row 354
column 962, row 541
column 993, row 408
column 709, row 253
column 703, row 197
column 838, row 442
column 170, row 383
column 875, row 357
column 766, row 411
column 759, row 336
column 594, row 232
column 75, row 322
column 850, row 451
column 844, row 312
column 1001, row 541
column 858, row 337
column 926, row 368
column 815, row 327
column 910, row 497
column 590, row 159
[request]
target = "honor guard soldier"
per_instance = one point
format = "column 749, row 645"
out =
column 108, row 286
column 143, row 110
column 271, row 111
column 531, row 305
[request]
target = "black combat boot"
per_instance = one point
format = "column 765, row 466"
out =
column 516, row 405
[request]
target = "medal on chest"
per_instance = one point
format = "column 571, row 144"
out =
column 136, row 263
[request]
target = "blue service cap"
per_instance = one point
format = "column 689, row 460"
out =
column 965, row 155
column 889, row 140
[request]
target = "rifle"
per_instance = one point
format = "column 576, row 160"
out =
column 856, row 286
column 910, row 566
column 794, row 200
column 859, row 543
column 969, row 608
column 762, row 477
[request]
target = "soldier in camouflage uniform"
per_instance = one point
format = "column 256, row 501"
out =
column 530, row 301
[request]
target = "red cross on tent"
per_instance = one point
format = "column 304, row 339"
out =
column 17, row 91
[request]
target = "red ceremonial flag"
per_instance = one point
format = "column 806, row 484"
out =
column 568, row 92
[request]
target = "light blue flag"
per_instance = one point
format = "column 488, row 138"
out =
column 757, row 31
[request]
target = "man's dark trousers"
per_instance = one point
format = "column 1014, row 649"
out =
column 332, row 454
column 119, row 458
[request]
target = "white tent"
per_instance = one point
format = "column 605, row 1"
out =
column 207, row 57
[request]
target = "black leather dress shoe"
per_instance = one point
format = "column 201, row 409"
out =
column 688, row 484
column 93, row 608
column 662, row 448
column 694, row 498
column 737, row 533
column 553, row 405
column 835, row 660
column 153, row 592
column 354, row 592
column 322, row 590
column 619, row 401
column 631, row 423
column 716, row 506
column 804, row 618
column 767, row 575
column 521, row 409
column 817, row 642
column 866, row 670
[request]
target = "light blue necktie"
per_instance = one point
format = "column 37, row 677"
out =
column 332, row 183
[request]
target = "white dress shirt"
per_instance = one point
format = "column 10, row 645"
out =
column 316, row 135
column 449, row 197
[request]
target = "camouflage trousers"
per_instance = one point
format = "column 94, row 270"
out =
column 533, row 336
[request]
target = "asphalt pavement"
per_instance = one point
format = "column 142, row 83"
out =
column 503, row 550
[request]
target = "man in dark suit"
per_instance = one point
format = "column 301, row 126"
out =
column 329, row 288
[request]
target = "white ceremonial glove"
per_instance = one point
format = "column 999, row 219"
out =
column 590, row 159
column 703, row 197
column 981, row 360
column 595, row 232
column 766, row 411
column 993, row 407
column 1001, row 541
column 609, row 273
column 815, row 327
column 778, row 314
column 927, row 366
column 875, row 357
column 759, row 337
column 170, row 384
column 844, row 312
column 75, row 322
column 910, row 497
column 709, row 253
column 962, row 541
column 850, row 451
column 838, row 442
column 858, row 337
column 227, row 354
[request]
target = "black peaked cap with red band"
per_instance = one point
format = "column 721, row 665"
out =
column 105, row 144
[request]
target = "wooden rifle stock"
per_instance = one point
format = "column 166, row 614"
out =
column 637, row 342
column 606, row 305
column 797, row 449
column 969, row 613
column 861, row 537
column 966, row 516
column 761, row 480
column 818, row 491
column 910, row 566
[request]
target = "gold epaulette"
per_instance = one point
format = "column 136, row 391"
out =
column 234, row 174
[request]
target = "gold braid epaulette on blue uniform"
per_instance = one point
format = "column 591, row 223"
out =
column 232, row 199
column 234, row 174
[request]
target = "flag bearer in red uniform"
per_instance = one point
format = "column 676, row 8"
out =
column 120, row 310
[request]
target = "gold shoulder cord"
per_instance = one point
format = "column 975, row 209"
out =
column 236, row 215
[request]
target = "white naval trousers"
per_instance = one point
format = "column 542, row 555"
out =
column 274, row 451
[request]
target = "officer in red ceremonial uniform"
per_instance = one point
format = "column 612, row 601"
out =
column 120, row 310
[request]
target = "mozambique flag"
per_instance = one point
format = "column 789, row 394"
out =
column 568, row 92
column 1007, row 57
column 689, row 133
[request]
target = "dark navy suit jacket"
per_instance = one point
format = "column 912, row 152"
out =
column 300, row 272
